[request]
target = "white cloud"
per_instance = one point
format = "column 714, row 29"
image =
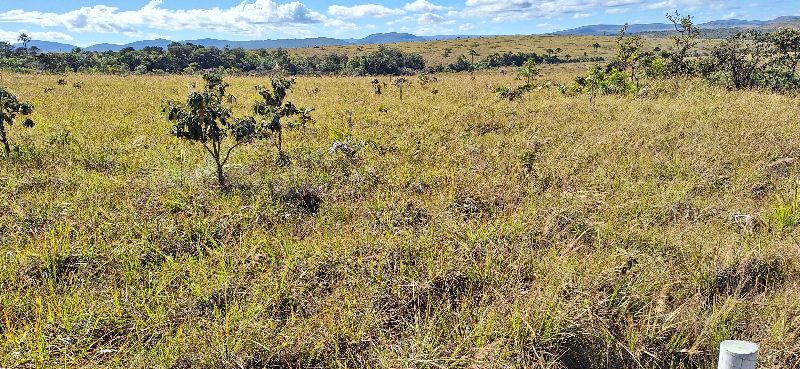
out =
column 40, row 36
column 252, row 17
column 440, row 28
column 363, row 11
column 430, row 18
column 419, row 6
column 514, row 10
column 617, row 11
column 259, row 18
column 678, row 4
column 466, row 27
column 341, row 25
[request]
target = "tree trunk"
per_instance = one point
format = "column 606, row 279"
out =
column 221, row 176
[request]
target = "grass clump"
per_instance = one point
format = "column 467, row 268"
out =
column 785, row 212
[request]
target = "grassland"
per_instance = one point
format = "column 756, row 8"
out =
column 434, row 51
column 469, row 232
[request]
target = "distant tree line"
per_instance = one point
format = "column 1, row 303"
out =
column 189, row 58
column 510, row 59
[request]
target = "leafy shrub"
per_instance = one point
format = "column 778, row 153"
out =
column 629, row 56
column 10, row 109
column 602, row 81
column 529, row 70
column 512, row 93
column 376, row 86
column 755, row 59
column 657, row 67
column 273, row 108
column 685, row 40
column 460, row 65
column 385, row 61
column 206, row 118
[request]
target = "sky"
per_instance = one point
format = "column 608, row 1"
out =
column 87, row 22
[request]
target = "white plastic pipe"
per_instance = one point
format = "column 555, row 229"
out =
column 737, row 355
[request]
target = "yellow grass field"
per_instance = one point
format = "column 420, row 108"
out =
column 466, row 232
column 434, row 51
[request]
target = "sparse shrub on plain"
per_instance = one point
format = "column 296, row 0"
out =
column 511, row 93
column 629, row 54
column 423, row 79
column 614, row 78
column 529, row 70
column 11, row 109
column 273, row 108
column 601, row 80
column 376, row 86
column 738, row 59
column 400, row 83
column 657, row 67
column 754, row 59
column 685, row 41
column 206, row 118
column 460, row 65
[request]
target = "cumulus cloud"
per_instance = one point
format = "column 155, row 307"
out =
column 248, row 17
column 430, row 18
column 291, row 17
column 422, row 6
column 11, row 37
column 363, row 11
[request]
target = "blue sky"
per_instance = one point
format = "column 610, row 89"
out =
column 86, row 22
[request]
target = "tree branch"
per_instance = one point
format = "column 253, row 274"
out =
column 228, row 153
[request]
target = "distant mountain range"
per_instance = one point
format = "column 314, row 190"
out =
column 717, row 28
column 732, row 25
column 378, row 38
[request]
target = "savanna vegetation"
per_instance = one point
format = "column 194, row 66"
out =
column 486, row 220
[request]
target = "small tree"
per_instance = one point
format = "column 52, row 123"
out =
column 685, row 40
column 472, row 55
column 595, row 46
column 273, row 108
column 376, row 86
column 529, row 70
column 629, row 49
column 206, row 118
column 10, row 109
column 400, row 83
column 786, row 45
column 740, row 58
column 25, row 39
